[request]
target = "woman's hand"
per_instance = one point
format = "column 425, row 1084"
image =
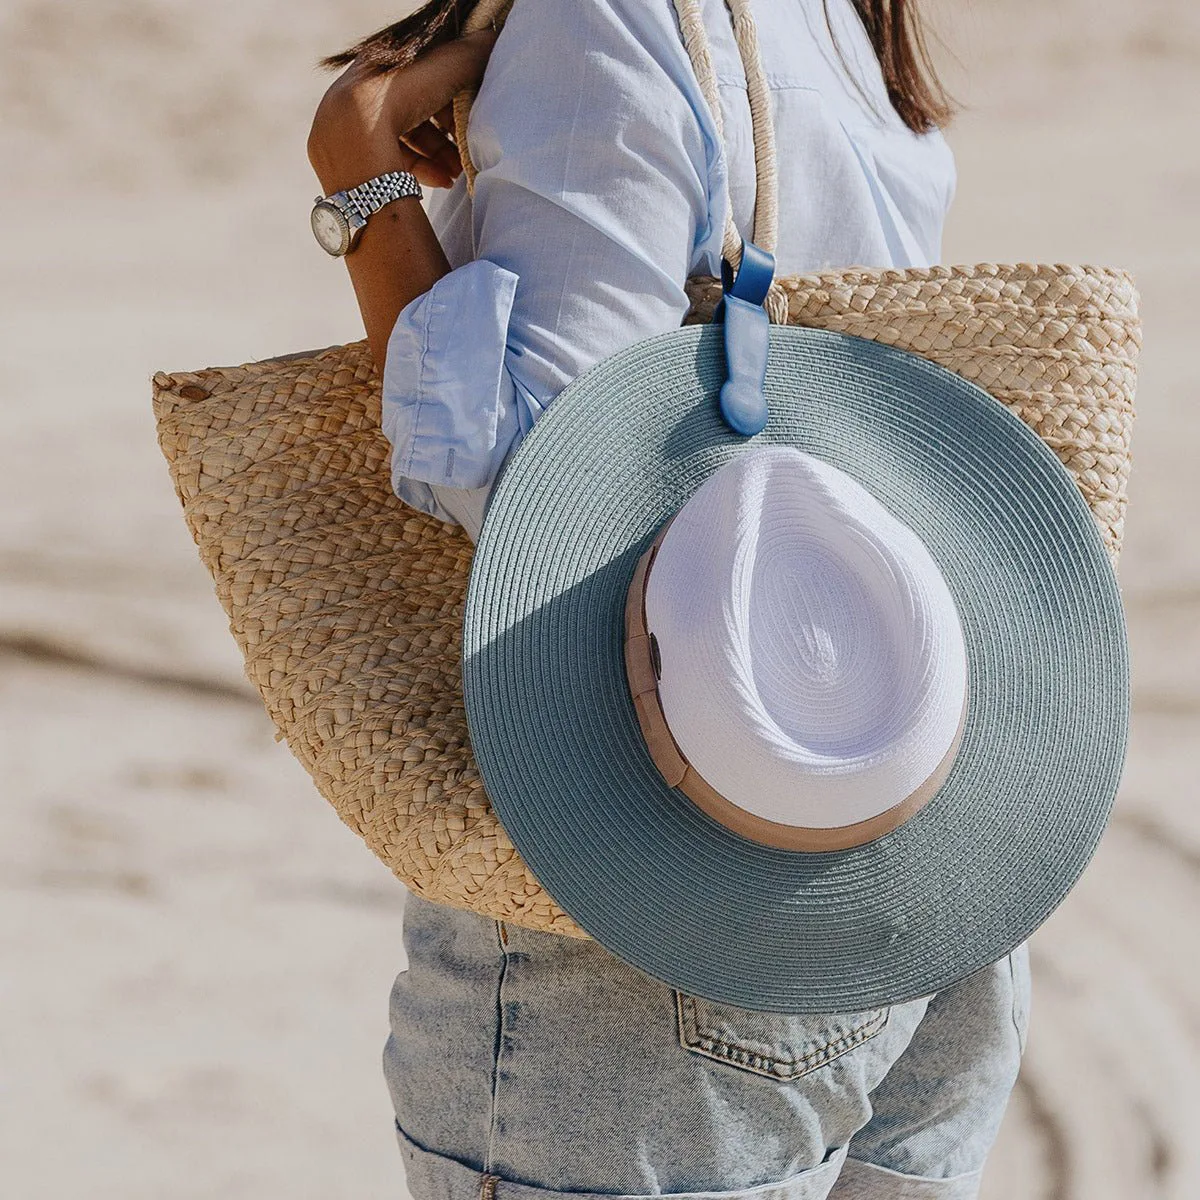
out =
column 367, row 124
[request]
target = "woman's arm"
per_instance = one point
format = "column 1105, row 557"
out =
column 596, row 163
column 367, row 124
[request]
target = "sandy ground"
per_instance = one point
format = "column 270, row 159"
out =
column 194, row 953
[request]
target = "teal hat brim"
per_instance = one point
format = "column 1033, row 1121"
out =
column 634, row 862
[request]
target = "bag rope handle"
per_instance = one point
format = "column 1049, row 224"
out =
column 699, row 50
column 485, row 13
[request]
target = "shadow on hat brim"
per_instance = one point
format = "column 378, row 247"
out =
column 641, row 868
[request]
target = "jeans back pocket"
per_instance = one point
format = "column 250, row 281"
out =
column 778, row 1046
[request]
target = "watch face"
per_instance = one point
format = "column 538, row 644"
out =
column 331, row 229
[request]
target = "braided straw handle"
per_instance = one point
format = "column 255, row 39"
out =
column 699, row 49
column 485, row 13
column 766, row 191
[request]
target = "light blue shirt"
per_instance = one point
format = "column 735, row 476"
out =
column 601, row 187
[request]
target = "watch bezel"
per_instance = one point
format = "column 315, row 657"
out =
column 342, row 222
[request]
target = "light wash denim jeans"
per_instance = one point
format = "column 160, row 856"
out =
column 529, row 1066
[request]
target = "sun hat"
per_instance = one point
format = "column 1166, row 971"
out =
column 347, row 606
column 894, row 528
column 795, row 658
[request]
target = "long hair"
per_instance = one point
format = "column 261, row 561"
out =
column 894, row 27
column 898, row 37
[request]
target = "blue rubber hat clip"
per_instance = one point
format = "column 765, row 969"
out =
column 747, row 335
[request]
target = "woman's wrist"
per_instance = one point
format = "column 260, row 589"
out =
column 343, row 160
column 371, row 122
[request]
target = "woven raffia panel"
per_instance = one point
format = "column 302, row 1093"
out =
column 348, row 606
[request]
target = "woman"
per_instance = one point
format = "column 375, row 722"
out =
column 522, row 1061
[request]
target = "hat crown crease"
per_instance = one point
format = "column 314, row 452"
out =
column 814, row 671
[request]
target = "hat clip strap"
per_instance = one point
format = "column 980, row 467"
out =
column 747, row 326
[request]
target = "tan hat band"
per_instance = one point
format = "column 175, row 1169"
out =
column 642, row 668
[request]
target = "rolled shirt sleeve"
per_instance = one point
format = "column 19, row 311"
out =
column 450, row 406
column 591, row 204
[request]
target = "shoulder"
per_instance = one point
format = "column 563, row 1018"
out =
column 588, row 66
column 554, row 18
column 555, row 38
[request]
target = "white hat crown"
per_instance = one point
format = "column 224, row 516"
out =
column 812, row 664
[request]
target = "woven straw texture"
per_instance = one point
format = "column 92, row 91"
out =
column 347, row 605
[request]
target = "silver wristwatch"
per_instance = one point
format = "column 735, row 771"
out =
column 337, row 220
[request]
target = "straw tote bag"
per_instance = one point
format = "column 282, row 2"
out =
column 347, row 604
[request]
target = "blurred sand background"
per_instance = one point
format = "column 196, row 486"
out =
column 195, row 954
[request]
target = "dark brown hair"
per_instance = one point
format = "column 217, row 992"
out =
column 898, row 36
column 893, row 26
column 397, row 45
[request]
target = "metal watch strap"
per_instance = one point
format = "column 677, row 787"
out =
column 367, row 198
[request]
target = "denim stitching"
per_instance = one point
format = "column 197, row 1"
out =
column 496, row 1050
column 1012, row 976
column 741, row 1055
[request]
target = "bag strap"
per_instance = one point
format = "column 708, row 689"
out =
column 696, row 42
column 745, row 34
column 485, row 13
